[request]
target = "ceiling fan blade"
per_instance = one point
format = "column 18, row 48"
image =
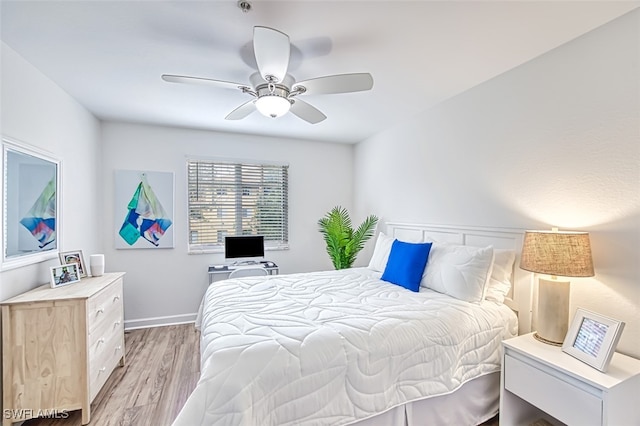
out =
column 272, row 49
column 307, row 112
column 242, row 111
column 203, row 81
column 340, row 83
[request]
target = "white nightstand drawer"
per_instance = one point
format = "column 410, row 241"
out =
column 556, row 397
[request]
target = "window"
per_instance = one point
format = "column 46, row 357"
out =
column 236, row 199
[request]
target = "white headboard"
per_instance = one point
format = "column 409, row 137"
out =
column 520, row 299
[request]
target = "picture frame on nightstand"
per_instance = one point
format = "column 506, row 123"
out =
column 592, row 338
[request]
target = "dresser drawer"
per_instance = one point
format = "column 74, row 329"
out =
column 103, row 362
column 102, row 304
column 551, row 394
column 110, row 325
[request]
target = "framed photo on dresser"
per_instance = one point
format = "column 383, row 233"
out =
column 74, row 256
column 64, row 274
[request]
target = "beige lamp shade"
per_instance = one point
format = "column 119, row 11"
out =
column 561, row 253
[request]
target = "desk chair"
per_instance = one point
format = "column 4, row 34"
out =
column 249, row 271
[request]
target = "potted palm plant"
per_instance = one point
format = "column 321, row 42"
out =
column 343, row 242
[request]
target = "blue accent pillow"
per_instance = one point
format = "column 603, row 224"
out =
column 406, row 264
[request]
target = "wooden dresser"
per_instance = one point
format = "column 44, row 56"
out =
column 59, row 346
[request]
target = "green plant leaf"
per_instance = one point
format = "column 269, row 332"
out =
column 343, row 243
column 360, row 236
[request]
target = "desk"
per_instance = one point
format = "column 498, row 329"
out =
column 221, row 272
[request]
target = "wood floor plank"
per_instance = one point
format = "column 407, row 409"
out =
column 152, row 376
column 140, row 415
column 174, row 393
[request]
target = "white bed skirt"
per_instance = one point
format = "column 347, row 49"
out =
column 473, row 403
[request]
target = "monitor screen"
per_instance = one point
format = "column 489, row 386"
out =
column 244, row 246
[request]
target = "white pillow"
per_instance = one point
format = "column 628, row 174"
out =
column 381, row 252
column 500, row 280
column 459, row 271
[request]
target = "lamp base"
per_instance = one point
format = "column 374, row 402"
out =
column 543, row 340
column 553, row 311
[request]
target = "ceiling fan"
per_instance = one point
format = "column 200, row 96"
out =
column 273, row 91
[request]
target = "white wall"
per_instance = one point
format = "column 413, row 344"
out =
column 554, row 142
column 168, row 284
column 37, row 112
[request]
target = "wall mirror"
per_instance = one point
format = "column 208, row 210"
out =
column 31, row 205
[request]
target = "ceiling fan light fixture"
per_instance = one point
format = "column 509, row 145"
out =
column 272, row 105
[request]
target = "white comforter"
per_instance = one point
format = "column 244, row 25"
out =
column 332, row 348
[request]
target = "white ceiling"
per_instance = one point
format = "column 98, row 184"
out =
column 109, row 55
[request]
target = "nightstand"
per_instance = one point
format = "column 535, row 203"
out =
column 540, row 381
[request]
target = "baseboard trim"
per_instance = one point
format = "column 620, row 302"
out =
column 159, row 321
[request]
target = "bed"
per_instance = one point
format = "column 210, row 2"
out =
column 345, row 347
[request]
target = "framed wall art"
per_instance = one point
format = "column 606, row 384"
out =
column 30, row 183
column 144, row 209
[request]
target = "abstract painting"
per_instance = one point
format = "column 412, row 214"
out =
column 144, row 209
column 40, row 220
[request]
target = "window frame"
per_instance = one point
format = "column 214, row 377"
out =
column 270, row 245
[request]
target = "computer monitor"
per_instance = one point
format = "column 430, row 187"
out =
column 244, row 249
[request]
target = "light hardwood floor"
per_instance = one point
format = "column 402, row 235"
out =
column 162, row 369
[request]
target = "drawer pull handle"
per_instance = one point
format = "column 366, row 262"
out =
column 101, row 340
column 100, row 311
column 117, row 323
column 118, row 348
column 103, row 369
column 116, row 298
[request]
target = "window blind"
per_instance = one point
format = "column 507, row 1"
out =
column 236, row 199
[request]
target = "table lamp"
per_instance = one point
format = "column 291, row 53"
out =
column 565, row 254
